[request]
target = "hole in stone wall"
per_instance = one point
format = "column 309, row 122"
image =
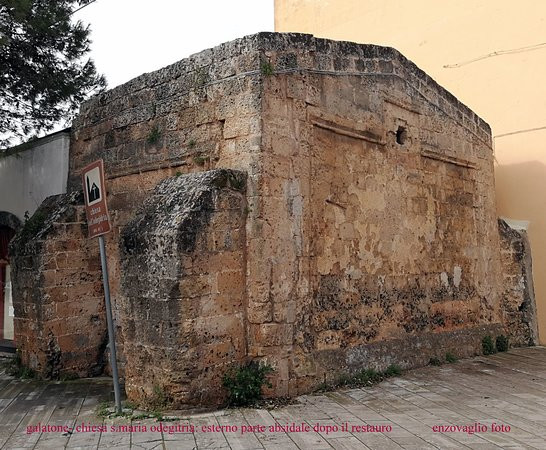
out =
column 401, row 135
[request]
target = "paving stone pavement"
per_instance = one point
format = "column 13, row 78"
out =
column 506, row 391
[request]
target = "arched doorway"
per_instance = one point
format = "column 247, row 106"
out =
column 8, row 225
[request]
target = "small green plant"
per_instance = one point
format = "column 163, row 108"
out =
column 488, row 346
column 435, row 361
column 245, row 383
column 32, row 225
column 129, row 404
column 344, row 380
column 69, row 376
column 364, row 377
column 178, row 173
column 267, row 69
column 201, row 77
column 502, row 343
column 392, row 371
column 159, row 399
column 324, row 386
column 25, row 373
column 368, row 376
column 191, row 143
column 15, row 368
column 451, row 358
column 237, row 183
column 102, row 410
column 199, row 160
column 107, row 410
column 154, row 135
column 156, row 415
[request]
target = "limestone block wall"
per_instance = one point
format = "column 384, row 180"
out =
column 518, row 297
column 60, row 323
column 378, row 222
column 183, row 265
column 199, row 113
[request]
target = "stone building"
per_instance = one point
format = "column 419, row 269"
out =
column 323, row 206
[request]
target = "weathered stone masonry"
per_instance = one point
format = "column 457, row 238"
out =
column 59, row 303
column 355, row 227
column 518, row 299
column 184, row 259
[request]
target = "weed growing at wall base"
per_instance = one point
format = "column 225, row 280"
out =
column 365, row 377
column 159, row 398
column 488, row 346
column 392, row 371
column 449, row 358
column 244, row 384
column 15, row 368
column 502, row 343
column 107, row 410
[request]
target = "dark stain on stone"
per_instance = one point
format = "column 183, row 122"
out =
column 53, row 363
column 338, row 304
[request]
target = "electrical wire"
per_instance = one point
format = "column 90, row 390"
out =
column 499, row 53
column 83, row 6
column 528, row 130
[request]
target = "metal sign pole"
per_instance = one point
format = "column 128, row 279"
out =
column 98, row 224
column 109, row 320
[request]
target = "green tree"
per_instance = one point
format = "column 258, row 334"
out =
column 44, row 75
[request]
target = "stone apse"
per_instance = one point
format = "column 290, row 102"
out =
column 323, row 206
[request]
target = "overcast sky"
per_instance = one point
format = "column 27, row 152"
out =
column 131, row 37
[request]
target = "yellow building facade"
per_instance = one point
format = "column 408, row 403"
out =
column 491, row 54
